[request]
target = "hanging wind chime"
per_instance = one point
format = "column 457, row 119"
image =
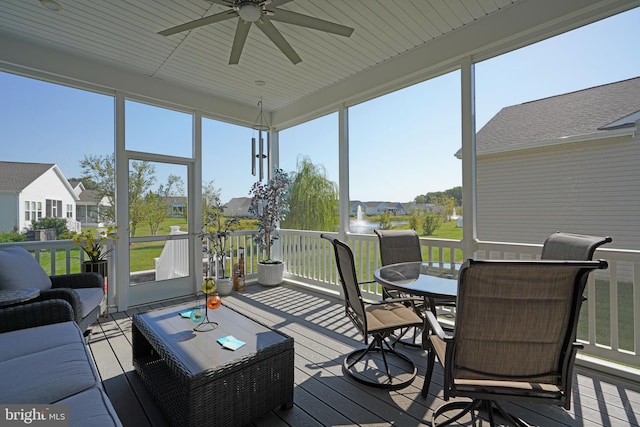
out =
column 261, row 126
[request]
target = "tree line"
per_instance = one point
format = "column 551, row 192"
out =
column 313, row 197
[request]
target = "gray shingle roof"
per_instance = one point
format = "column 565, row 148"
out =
column 238, row 206
column 573, row 114
column 15, row 176
column 89, row 196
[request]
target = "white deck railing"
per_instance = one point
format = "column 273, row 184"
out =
column 610, row 323
column 174, row 259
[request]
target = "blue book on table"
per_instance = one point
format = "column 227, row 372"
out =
column 230, row 342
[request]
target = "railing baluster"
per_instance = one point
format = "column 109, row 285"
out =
column 613, row 306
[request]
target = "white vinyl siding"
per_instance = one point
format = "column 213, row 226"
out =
column 591, row 188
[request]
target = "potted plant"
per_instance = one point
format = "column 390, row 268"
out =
column 93, row 244
column 216, row 230
column 270, row 205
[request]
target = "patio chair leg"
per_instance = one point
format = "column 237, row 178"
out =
column 380, row 344
column 511, row 419
column 431, row 359
column 362, row 354
column 466, row 407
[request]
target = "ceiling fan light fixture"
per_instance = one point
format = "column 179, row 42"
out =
column 249, row 11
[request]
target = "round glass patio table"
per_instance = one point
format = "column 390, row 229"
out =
column 436, row 285
column 420, row 279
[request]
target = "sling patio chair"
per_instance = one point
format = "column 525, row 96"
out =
column 514, row 338
column 379, row 364
column 571, row 246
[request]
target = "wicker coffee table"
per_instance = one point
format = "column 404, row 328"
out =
column 196, row 382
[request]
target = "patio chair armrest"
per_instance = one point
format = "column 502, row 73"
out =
column 34, row 314
column 437, row 328
column 66, row 294
column 77, row 280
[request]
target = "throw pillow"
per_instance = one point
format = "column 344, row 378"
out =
column 20, row 270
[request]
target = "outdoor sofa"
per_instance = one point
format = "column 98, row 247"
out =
column 44, row 360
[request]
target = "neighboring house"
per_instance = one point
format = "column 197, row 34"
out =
column 357, row 204
column 31, row 191
column 89, row 205
column 394, row 208
column 569, row 162
column 238, row 206
column 377, row 208
column 177, row 206
column 420, row 208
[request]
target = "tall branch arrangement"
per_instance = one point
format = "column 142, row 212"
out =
column 270, row 205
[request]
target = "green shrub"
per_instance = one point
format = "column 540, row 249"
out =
column 12, row 236
column 58, row 224
column 431, row 222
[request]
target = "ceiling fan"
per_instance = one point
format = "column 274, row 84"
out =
column 261, row 13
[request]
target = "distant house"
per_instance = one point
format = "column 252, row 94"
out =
column 377, row 208
column 89, row 204
column 31, row 191
column 420, row 208
column 238, row 206
column 176, row 206
column 569, row 162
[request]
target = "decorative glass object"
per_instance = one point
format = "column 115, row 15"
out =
column 197, row 314
column 208, row 285
column 212, row 300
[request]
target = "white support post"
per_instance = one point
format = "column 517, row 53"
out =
column 122, row 206
column 273, row 161
column 194, row 173
column 469, row 231
column 343, row 162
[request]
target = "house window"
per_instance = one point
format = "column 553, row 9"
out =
column 54, row 208
column 69, row 211
column 32, row 211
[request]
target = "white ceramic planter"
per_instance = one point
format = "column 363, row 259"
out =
column 270, row 274
column 224, row 286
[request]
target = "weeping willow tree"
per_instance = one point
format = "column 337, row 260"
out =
column 313, row 199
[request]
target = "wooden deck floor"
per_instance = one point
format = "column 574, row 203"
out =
column 323, row 395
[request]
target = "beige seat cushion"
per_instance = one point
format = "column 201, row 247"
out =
column 390, row 316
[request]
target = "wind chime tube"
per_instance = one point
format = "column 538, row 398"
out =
column 253, row 156
column 261, row 155
column 268, row 156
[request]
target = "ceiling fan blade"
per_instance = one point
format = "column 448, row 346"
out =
column 218, row 17
column 294, row 18
column 228, row 3
column 276, row 3
column 276, row 37
column 242, row 31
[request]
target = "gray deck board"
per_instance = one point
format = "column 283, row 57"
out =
column 323, row 396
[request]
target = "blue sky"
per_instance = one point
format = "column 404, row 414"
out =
column 401, row 145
